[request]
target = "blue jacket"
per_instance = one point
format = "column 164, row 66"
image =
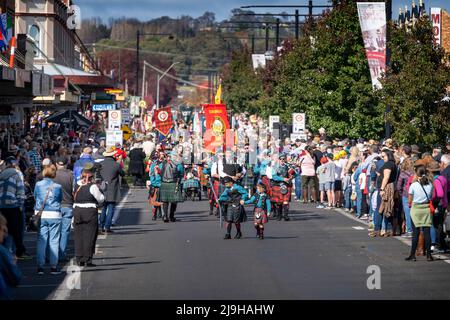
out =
column 54, row 199
column 258, row 197
column 225, row 197
column 261, row 168
column 79, row 165
column 10, row 274
column 155, row 179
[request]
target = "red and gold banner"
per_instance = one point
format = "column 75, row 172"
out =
column 216, row 126
column 163, row 120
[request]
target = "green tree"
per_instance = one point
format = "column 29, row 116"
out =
column 242, row 87
column 415, row 86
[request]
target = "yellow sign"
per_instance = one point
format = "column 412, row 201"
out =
column 114, row 91
column 142, row 104
column 127, row 133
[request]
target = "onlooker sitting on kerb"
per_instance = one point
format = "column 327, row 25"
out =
column 10, row 274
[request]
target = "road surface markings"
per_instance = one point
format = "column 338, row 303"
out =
column 65, row 288
column 358, row 228
column 402, row 240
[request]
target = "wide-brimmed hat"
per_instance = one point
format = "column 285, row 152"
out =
column 110, row 151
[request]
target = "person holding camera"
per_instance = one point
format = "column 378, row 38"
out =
column 87, row 199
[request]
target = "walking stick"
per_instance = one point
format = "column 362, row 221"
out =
column 217, row 199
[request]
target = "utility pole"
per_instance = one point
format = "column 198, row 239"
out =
column 297, row 24
column 137, row 64
column 278, row 33
column 143, row 82
column 253, row 43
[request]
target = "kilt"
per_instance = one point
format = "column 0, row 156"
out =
column 167, row 193
column 260, row 216
column 278, row 197
column 234, row 213
column 248, row 182
column 265, row 181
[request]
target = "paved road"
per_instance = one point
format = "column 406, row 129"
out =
column 319, row 254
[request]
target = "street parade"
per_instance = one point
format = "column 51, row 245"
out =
column 252, row 185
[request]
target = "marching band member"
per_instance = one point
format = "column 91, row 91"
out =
column 262, row 209
column 232, row 201
column 281, row 186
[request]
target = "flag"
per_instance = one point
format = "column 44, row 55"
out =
column 216, row 126
column 3, row 32
column 218, row 98
column 163, row 120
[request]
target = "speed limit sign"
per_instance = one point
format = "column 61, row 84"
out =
column 298, row 122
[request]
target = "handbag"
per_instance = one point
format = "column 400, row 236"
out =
column 432, row 208
column 36, row 219
column 353, row 197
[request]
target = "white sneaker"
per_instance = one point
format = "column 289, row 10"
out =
column 320, row 206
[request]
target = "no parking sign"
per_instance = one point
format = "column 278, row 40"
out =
column 298, row 122
column 114, row 119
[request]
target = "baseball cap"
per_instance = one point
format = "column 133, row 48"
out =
column 62, row 161
column 11, row 161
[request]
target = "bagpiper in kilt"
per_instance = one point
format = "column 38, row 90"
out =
column 281, row 188
column 232, row 200
column 170, row 191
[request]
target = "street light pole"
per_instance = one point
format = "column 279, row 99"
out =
column 158, row 81
column 136, row 86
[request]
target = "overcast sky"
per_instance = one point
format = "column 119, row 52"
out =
column 150, row 9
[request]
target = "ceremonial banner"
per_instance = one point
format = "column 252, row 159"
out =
column 216, row 126
column 163, row 120
column 372, row 19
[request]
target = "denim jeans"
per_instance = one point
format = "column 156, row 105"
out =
column 348, row 198
column 379, row 220
column 359, row 200
column 107, row 215
column 50, row 232
column 65, row 231
column 298, row 187
column 407, row 211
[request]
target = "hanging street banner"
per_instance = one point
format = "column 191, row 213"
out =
column 372, row 19
column 298, row 122
column 186, row 113
column 436, row 20
column 164, row 120
column 217, row 125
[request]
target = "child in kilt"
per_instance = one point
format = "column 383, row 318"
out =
column 232, row 201
column 262, row 209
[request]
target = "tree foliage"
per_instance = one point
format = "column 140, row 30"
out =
column 415, row 86
column 325, row 74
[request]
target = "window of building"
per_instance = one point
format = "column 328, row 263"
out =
column 35, row 35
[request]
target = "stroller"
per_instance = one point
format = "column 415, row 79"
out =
column 191, row 188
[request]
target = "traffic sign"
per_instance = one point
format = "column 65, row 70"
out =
column 126, row 117
column 103, row 107
column 298, row 122
column 114, row 119
column 113, row 137
column 272, row 120
column 295, row 136
column 142, row 104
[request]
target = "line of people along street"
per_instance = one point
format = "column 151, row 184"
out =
column 56, row 181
